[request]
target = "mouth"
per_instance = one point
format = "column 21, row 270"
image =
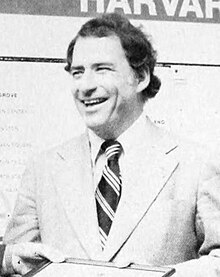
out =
column 93, row 102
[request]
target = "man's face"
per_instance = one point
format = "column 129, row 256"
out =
column 104, row 85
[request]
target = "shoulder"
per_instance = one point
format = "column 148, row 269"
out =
column 197, row 151
column 68, row 150
column 183, row 148
column 195, row 155
column 171, row 143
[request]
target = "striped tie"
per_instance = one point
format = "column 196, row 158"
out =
column 108, row 191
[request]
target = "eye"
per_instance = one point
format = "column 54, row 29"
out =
column 76, row 73
column 103, row 69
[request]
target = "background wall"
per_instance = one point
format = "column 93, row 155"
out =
column 36, row 106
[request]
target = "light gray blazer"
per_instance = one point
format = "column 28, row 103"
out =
column 169, row 211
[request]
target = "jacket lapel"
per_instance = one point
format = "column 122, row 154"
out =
column 141, row 187
column 76, row 191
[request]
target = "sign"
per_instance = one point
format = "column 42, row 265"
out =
column 207, row 11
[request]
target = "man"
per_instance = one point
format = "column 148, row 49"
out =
column 142, row 196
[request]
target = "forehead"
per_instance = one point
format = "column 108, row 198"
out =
column 95, row 50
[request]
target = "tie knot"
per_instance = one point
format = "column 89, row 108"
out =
column 112, row 149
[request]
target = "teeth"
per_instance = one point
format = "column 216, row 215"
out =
column 94, row 101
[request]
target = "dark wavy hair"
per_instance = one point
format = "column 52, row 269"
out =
column 137, row 46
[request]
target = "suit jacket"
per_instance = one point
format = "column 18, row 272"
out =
column 169, row 210
column 2, row 250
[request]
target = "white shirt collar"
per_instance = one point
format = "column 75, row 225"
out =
column 95, row 144
column 131, row 136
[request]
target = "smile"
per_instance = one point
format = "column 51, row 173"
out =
column 92, row 102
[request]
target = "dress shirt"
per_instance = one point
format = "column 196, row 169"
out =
column 129, row 141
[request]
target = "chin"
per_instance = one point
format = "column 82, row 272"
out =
column 94, row 125
column 95, row 122
column 97, row 127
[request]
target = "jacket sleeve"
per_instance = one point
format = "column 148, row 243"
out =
column 207, row 223
column 23, row 225
column 2, row 250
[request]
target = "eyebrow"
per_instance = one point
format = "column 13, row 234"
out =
column 103, row 63
column 81, row 67
column 76, row 68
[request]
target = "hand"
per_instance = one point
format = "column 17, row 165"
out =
column 22, row 257
column 202, row 267
column 123, row 263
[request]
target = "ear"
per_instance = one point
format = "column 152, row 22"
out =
column 143, row 82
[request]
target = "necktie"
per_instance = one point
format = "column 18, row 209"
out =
column 108, row 191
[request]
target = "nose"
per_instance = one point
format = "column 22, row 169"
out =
column 87, row 84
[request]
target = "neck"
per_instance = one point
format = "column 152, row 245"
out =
column 111, row 131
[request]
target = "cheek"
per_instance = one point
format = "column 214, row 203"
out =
column 105, row 83
column 75, row 93
column 108, row 81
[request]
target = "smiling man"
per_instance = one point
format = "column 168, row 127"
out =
column 105, row 87
column 125, row 190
